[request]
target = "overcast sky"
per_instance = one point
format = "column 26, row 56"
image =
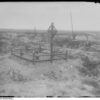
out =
column 27, row 15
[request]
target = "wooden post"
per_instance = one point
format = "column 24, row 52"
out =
column 33, row 58
column 11, row 49
column 21, row 52
column 66, row 55
column 52, row 31
column 73, row 35
column 86, row 44
column 51, row 49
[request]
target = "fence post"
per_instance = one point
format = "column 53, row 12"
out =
column 52, row 32
column 21, row 52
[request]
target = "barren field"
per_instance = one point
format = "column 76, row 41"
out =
column 61, row 78
column 76, row 76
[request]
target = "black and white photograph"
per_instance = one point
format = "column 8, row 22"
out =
column 49, row 49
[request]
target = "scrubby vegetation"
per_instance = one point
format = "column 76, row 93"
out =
column 66, row 77
column 89, row 68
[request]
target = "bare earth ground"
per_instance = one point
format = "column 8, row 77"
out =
column 61, row 78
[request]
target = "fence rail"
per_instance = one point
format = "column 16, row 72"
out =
column 30, row 60
column 43, row 57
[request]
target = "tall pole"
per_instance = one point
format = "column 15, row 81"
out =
column 72, row 25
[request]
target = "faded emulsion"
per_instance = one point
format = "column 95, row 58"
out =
column 38, row 62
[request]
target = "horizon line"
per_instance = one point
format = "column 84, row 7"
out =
column 42, row 29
